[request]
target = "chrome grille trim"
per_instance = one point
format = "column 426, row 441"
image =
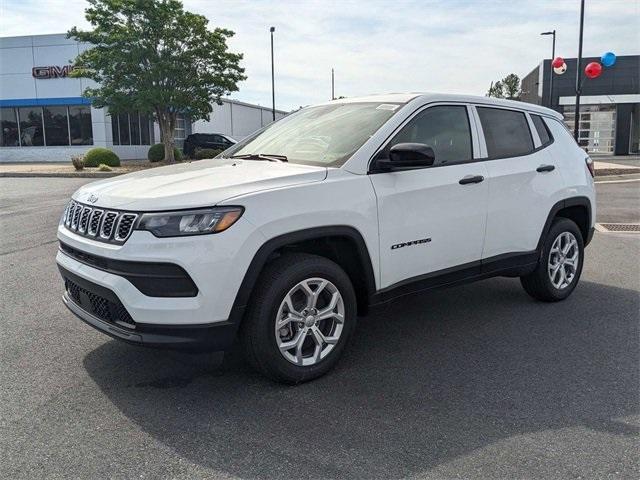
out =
column 72, row 207
column 76, row 217
column 124, row 226
column 83, row 223
column 108, row 223
column 95, row 222
column 110, row 226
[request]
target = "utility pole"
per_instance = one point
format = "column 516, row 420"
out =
column 273, row 83
column 333, row 86
column 576, row 121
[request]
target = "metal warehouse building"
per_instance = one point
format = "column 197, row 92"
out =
column 45, row 118
column 609, row 105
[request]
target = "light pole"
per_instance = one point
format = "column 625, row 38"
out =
column 553, row 55
column 333, row 86
column 576, row 120
column 273, row 84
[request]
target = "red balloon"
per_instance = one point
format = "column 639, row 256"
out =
column 557, row 62
column 593, row 70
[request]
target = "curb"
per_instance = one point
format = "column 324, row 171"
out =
column 607, row 172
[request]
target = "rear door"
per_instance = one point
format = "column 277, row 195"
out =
column 428, row 220
column 524, row 180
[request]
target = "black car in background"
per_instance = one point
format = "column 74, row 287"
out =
column 198, row 141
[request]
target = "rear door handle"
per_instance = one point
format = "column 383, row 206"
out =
column 545, row 168
column 471, row 179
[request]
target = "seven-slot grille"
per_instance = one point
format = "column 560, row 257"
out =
column 105, row 225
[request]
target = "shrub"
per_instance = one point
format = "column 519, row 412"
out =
column 203, row 153
column 77, row 161
column 104, row 168
column 98, row 155
column 156, row 153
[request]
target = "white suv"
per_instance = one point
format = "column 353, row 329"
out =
column 292, row 233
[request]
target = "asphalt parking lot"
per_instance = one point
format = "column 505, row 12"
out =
column 477, row 381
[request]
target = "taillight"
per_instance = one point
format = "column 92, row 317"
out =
column 590, row 166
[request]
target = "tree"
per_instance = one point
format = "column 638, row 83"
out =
column 496, row 90
column 511, row 85
column 155, row 57
column 508, row 87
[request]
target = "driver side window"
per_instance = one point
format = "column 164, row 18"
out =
column 445, row 128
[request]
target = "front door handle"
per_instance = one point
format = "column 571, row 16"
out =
column 471, row 179
column 545, row 168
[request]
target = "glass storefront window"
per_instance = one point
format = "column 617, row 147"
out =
column 80, row 123
column 115, row 130
column 130, row 129
column 9, row 124
column 56, row 127
column 134, row 121
column 31, row 129
column 125, row 137
column 597, row 127
column 145, row 137
column 180, row 133
column 634, row 134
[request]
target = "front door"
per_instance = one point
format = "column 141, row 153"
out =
column 428, row 220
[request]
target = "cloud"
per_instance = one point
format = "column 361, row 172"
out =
column 375, row 47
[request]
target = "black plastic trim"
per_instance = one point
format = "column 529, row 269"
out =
column 267, row 249
column 510, row 264
column 153, row 279
column 217, row 336
column 567, row 202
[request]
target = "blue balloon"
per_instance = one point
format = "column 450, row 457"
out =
column 608, row 59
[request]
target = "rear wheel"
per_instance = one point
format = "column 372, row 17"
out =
column 302, row 314
column 560, row 265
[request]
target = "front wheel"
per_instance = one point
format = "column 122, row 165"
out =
column 301, row 316
column 560, row 264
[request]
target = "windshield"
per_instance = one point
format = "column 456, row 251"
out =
column 326, row 135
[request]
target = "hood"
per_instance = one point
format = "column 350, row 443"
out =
column 198, row 184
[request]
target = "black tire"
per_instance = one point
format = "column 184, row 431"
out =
column 538, row 283
column 258, row 334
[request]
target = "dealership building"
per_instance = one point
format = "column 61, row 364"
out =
column 609, row 104
column 44, row 117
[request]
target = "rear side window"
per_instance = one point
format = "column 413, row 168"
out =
column 444, row 128
column 542, row 129
column 506, row 132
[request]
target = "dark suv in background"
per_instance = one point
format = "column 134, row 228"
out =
column 197, row 141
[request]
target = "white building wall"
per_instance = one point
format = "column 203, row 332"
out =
column 236, row 119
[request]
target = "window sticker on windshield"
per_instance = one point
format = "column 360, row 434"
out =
column 387, row 106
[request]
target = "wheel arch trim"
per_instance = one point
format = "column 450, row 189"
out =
column 261, row 257
column 557, row 207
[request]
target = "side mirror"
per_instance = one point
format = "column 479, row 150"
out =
column 406, row 156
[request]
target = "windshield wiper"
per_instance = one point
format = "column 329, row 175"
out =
column 261, row 156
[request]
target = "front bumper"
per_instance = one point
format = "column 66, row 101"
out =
column 206, row 337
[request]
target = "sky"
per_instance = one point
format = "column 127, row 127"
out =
column 449, row 46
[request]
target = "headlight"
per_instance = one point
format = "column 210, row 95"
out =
column 190, row 222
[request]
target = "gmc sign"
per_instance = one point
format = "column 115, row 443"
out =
column 51, row 71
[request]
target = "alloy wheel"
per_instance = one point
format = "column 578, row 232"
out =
column 310, row 321
column 563, row 260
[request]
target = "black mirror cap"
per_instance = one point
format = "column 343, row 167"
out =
column 407, row 156
column 418, row 153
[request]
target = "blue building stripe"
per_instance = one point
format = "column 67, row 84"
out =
column 41, row 102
